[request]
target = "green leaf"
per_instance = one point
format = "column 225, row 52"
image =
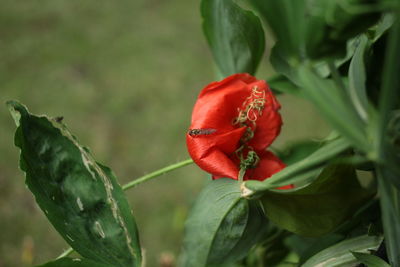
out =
column 370, row 260
column 321, row 206
column 222, row 226
column 383, row 26
column 80, row 197
column 235, row 36
column 357, row 78
column 333, row 103
column 308, row 247
column 331, row 24
column 390, row 206
column 70, row 262
column 387, row 151
column 298, row 151
column 283, row 64
column 279, row 83
column 286, row 20
column 340, row 254
column 300, row 171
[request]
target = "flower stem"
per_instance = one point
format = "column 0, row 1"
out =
column 156, row 173
column 242, row 172
column 140, row 180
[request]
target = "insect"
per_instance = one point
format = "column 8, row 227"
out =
column 59, row 119
column 197, row 132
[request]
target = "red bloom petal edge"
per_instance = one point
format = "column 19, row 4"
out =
column 233, row 123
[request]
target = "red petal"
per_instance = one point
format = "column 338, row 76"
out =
column 214, row 138
column 212, row 152
column 218, row 103
column 269, row 164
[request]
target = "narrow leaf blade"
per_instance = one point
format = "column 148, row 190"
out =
column 370, row 260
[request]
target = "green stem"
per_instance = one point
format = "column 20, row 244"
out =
column 156, row 173
column 242, row 172
column 140, row 180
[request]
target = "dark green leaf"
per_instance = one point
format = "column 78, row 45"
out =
column 300, row 171
column 80, row 197
column 331, row 24
column 370, row 260
column 281, row 63
column 387, row 153
column 390, row 206
column 320, row 207
column 340, row 255
column 286, row 19
column 318, row 42
column 357, row 78
column 69, row 262
column 306, row 247
column 222, row 227
column 235, row 36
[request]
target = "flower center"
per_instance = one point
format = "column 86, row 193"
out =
column 251, row 109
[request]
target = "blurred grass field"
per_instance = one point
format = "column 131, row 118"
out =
column 125, row 75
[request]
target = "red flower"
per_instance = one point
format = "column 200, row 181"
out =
column 233, row 123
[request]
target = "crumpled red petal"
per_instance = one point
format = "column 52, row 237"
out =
column 213, row 138
column 218, row 105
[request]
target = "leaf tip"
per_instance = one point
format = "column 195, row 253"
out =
column 16, row 109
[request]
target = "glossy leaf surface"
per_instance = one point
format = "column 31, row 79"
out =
column 80, row 197
column 222, row 226
column 235, row 36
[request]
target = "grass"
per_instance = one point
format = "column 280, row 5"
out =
column 125, row 75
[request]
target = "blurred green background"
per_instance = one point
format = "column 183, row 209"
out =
column 125, row 75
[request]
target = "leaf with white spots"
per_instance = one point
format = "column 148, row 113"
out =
column 79, row 196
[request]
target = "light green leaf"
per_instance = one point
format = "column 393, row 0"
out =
column 235, row 36
column 80, row 197
column 319, row 207
column 340, row 255
column 357, row 78
column 370, row 260
column 70, row 262
column 383, row 26
column 334, row 105
column 222, row 227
